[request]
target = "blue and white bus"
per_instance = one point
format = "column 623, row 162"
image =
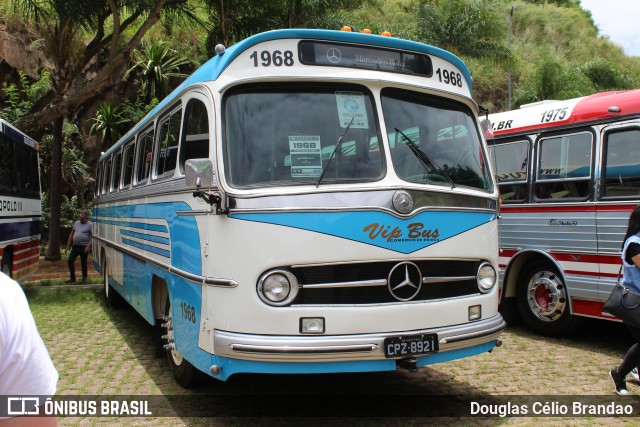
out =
column 20, row 208
column 308, row 201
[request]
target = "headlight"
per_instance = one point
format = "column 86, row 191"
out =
column 486, row 277
column 277, row 287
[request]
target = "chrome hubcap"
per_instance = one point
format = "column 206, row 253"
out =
column 546, row 296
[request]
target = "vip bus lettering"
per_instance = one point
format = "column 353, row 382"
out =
column 414, row 231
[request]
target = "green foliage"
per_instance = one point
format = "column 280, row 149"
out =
column 463, row 27
column 22, row 96
column 74, row 169
column 109, row 122
column 155, row 63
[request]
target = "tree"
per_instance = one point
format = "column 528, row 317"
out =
column 64, row 25
column 467, row 27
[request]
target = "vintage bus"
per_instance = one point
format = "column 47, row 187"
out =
column 569, row 176
column 20, row 208
column 307, row 201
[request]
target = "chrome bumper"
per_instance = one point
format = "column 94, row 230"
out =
column 346, row 347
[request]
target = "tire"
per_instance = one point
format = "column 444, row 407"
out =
column 543, row 301
column 184, row 372
column 6, row 263
column 112, row 298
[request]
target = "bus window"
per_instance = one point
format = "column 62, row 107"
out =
column 442, row 132
column 145, row 147
column 127, row 165
column 7, row 185
column 622, row 168
column 107, row 176
column 167, row 153
column 195, row 139
column 96, row 184
column 512, row 161
column 286, row 135
column 117, row 168
column 564, row 167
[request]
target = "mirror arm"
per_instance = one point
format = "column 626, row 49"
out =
column 211, row 200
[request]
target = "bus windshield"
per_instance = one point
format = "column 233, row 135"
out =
column 286, row 136
column 445, row 134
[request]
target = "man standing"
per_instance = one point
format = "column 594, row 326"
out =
column 80, row 243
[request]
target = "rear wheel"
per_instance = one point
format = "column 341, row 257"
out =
column 543, row 301
column 184, row 372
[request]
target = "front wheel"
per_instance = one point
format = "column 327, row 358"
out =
column 543, row 301
column 184, row 372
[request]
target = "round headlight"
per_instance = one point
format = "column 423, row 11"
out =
column 277, row 287
column 487, row 277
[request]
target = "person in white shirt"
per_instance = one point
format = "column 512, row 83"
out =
column 26, row 368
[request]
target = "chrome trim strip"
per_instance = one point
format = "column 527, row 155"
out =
column 370, row 261
column 447, row 279
column 465, row 337
column 194, row 212
column 320, row 348
column 306, row 350
column 212, row 281
column 378, row 282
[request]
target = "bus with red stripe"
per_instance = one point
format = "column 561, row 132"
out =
column 20, row 207
column 569, row 176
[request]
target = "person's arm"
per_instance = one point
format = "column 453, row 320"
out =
column 70, row 239
column 88, row 247
column 636, row 260
column 29, row 421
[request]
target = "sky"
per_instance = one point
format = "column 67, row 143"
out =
column 619, row 20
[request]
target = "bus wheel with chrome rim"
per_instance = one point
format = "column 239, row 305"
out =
column 543, row 301
column 184, row 372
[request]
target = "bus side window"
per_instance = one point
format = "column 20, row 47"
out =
column 7, row 184
column 143, row 162
column 96, row 184
column 564, row 167
column 622, row 167
column 195, row 133
column 167, row 152
column 107, row 176
column 28, row 184
column 127, row 164
column 117, row 168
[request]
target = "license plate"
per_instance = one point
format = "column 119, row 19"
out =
column 410, row 345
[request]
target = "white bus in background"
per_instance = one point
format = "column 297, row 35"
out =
column 569, row 176
column 20, row 210
column 308, row 201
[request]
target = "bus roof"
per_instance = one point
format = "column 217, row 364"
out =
column 540, row 116
column 212, row 69
column 15, row 134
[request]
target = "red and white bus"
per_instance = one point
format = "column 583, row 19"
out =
column 20, row 208
column 569, row 175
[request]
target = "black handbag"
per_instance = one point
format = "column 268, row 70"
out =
column 625, row 304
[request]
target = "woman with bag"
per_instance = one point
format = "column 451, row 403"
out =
column 630, row 280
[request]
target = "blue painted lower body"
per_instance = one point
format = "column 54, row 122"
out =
column 235, row 366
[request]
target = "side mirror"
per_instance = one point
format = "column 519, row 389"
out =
column 198, row 173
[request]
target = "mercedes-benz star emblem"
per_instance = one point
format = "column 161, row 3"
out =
column 333, row 55
column 402, row 201
column 404, row 281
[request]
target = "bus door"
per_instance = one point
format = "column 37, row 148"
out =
column 619, row 194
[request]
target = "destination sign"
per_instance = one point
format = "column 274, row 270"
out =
column 369, row 58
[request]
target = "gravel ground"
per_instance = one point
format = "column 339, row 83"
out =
column 99, row 352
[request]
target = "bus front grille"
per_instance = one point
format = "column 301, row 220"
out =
column 367, row 283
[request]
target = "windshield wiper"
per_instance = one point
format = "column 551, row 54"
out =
column 324, row 169
column 429, row 166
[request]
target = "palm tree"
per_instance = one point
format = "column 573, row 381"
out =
column 155, row 63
